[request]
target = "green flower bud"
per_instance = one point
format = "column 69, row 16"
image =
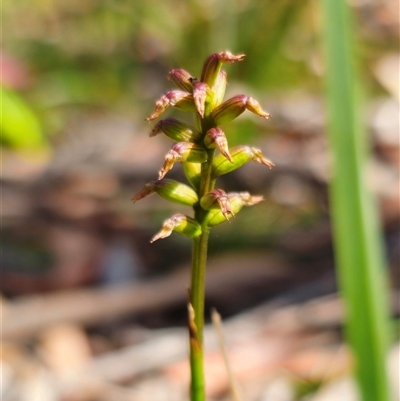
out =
column 213, row 64
column 241, row 155
column 234, row 107
column 229, row 110
column 176, row 130
column 182, row 79
column 202, row 95
column 237, row 201
column 192, row 173
column 170, row 190
column 217, row 198
column 175, row 98
column 181, row 224
column 219, row 89
column 177, row 192
column 182, row 152
column 215, row 138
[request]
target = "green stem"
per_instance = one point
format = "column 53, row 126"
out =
column 197, row 288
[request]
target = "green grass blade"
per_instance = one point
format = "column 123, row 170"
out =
column 360, row 262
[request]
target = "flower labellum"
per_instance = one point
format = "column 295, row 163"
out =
column 175, row 98
column 201, row 95
column 215, row 138
column 237, row 201
column 181, row 224
column 217, row 198
column 240, row 155
column 181, row 152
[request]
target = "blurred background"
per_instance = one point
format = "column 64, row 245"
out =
column 91, row 309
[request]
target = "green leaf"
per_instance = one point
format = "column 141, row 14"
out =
column 20, row 128
column 358, row 243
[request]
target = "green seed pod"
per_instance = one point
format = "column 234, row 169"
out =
column 175, row 98
column 217, row 198
column 229, row 110
column 192, row 173
column 219, row 90
column 241, row 155
column 176, row 130
column 182, row 79
column 237, row 201
column 234, row 107
column 181, row 224
column 170, row 190
column 182, row 152
column 213, row 64
column 177, row 192
column 215, row 138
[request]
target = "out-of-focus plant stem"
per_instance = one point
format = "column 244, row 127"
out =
column 360, row 261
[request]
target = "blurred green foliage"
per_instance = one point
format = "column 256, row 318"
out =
column 114, row 54
column 20, row 127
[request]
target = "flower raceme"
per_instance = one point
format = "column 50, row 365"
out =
column 195, row 148
column 204, row 154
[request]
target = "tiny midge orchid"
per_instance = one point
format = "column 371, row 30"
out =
column 195, row 149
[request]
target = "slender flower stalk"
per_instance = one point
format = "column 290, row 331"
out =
column 195, row 149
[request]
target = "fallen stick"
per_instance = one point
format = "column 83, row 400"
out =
column 272, row 321
column 26, row 316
